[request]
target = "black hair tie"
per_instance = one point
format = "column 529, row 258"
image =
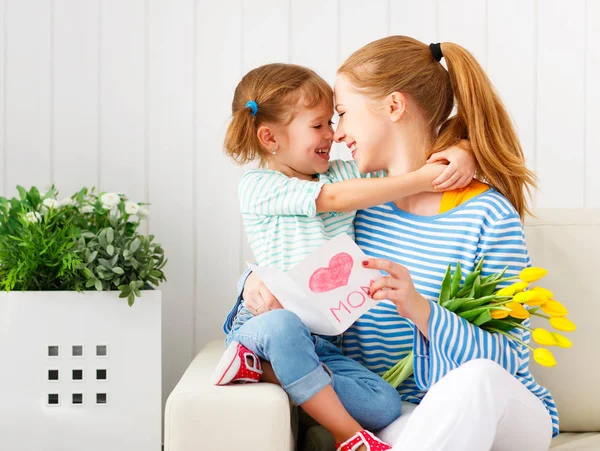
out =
column 436, row 51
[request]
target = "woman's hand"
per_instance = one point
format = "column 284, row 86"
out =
column 257, row 297
column 461, row 168
column 399, row 288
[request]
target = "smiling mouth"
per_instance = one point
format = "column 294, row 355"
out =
column 352, row 148
column 323, row 153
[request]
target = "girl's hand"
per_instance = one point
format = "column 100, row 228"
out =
column 257, row 297
column 461, row 168
column 428, row 173
column 399, row 288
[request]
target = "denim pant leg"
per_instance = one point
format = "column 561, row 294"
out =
column 370, row 400
column 282, row 339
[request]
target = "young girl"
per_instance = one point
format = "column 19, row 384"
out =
column 295, row 203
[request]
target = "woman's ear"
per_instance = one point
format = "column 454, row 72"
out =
column 266, row 137
column 396, row 104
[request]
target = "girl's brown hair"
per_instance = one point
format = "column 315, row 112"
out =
column 403, row 64
column 277, row 89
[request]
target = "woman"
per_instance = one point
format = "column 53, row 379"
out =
column 474, row 389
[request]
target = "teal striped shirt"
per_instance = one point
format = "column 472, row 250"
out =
column 280, row 216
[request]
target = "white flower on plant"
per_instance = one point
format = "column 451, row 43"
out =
column 33, row 217
column 50, row 203
column 110, row 200
column 64, row 202
column 87, row 209
column 114, row 213
column 131, row 208
column 143, row 213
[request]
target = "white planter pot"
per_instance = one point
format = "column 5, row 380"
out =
column 107, row 395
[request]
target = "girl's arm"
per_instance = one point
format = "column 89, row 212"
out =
column 355, row 194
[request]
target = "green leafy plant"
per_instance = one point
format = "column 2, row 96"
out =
column 86, row 241
column 37, row 252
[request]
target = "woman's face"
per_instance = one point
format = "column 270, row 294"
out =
column 364, row 126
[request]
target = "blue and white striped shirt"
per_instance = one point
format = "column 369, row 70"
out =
column 484, row 225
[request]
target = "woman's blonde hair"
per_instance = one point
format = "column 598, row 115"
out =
column 276, row 90
column 403, row 64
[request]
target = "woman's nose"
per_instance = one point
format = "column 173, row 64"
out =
column 339, row 135
column 329, row 134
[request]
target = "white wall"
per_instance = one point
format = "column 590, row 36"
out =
column 134, row 96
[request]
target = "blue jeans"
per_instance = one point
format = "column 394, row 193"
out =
column 297, row 358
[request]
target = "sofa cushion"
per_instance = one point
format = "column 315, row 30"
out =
column 567, row 243
column 576, row 441
column 200, row 416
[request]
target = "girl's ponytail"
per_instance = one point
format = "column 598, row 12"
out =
column 241, row 142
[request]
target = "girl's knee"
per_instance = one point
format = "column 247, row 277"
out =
column 281, row 321
column 282, row 327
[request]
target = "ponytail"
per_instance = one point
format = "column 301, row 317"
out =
column 482, row 119
column 241, row 142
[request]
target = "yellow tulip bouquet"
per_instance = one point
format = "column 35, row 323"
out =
column 499, row 311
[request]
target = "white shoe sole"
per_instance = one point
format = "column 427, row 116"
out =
column 226, row 368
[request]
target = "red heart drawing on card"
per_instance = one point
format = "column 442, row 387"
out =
column 334, row 276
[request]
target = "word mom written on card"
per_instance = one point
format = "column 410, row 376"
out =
column 328, row 290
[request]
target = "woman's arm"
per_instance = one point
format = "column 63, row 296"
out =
column 453, row 341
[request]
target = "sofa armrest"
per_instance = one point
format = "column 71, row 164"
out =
column 199, row 415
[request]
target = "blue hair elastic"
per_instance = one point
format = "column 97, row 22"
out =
column 253, row 106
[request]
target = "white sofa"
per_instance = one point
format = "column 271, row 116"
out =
column 257, row 417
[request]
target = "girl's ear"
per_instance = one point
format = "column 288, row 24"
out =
column 266, row 137
column 396, row 104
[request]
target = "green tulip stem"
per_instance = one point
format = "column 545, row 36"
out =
column 510, row 337
column 520, row 326
column 496, row 282
column 540, row 315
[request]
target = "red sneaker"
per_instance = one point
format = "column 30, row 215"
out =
column 238, row 364
column 371, row 442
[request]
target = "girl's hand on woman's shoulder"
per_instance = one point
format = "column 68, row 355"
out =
column 461, row 166
column 399, row 288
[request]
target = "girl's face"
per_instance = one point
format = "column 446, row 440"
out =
column 364, row 126
column 303, row 145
